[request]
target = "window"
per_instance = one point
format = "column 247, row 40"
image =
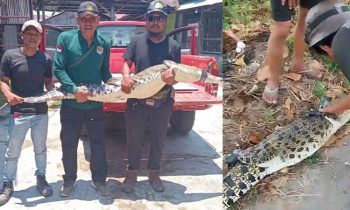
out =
column 120, row 35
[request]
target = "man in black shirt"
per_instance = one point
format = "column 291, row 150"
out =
column 151, row 114
column 29, row 70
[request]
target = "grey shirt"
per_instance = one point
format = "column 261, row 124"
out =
column 27, row 75
column 340, row 48
column 144, row 53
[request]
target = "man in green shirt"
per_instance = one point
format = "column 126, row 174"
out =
column 81, row 57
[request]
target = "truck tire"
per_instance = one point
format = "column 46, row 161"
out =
column 182, row 121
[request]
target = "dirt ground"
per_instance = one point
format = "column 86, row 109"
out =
column 323, row 185
column 248, row 119
column 191, row 170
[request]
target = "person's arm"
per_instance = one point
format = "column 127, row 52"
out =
column 12, row 98
column 127, row 82
column 341, row 56
column 49, row 84
column 168, row 76
column 60, row 65
column 48, row 74
column 5, row 74
column 291, row 3
column 129, row 57
column 338, row 107
column 59, row 68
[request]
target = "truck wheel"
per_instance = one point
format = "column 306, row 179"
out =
column 182, row 121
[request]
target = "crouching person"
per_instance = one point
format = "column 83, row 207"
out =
column 28, row 70
column 328, row 32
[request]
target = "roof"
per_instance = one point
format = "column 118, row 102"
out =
column 198, row 3
column 132, row 7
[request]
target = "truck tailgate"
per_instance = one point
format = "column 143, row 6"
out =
column 193, row 97
column 188, row 97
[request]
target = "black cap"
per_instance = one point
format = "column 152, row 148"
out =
column 157, row 6
column 87, row 7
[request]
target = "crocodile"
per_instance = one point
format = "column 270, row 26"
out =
column 284, row 147
column 147, row 83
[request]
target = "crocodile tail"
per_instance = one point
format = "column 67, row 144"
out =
column 239, row 180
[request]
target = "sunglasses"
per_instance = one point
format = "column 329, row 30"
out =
column 156, row 18
column 35, row 35
column 88, row 20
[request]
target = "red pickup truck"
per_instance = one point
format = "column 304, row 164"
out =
column 189, row 97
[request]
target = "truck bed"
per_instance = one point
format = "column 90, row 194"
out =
column 188, row 97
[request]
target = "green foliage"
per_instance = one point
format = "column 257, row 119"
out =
column 270, row 116
column 313, row 159
column 243, row 11
column 319, row 89
column 330, row 65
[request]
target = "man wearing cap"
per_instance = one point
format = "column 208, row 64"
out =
column 328, row 32
column 81, row 57
column 28, row 70
column 150, row 115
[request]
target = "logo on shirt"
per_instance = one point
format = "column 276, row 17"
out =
column 59, row 48
column 99, row 50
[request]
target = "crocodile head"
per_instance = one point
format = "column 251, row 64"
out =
column 189, row 74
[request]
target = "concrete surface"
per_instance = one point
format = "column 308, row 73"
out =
column 323, row 186
column 192, row 172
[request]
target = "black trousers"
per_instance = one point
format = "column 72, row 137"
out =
column 72, row 120
column 141, row 119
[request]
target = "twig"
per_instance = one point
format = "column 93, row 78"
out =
column 294, row 95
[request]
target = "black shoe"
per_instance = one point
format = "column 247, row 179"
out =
column 6, row 192
column 43, row 187
column 101, row 187
column 67, row 188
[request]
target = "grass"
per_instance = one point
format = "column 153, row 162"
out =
column 269, row 116
column 313, row 159
column 330, row 65
column 319, row 89
column 245, row 12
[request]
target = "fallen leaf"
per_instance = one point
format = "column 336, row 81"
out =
column 289, row 114
column 316, row 65
column 293, row 76
column 238, row 104
column 230, row 33
column 240, row 61
column 334, row 93
column 287, row 103
column 235, row 27
column 255, row 137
